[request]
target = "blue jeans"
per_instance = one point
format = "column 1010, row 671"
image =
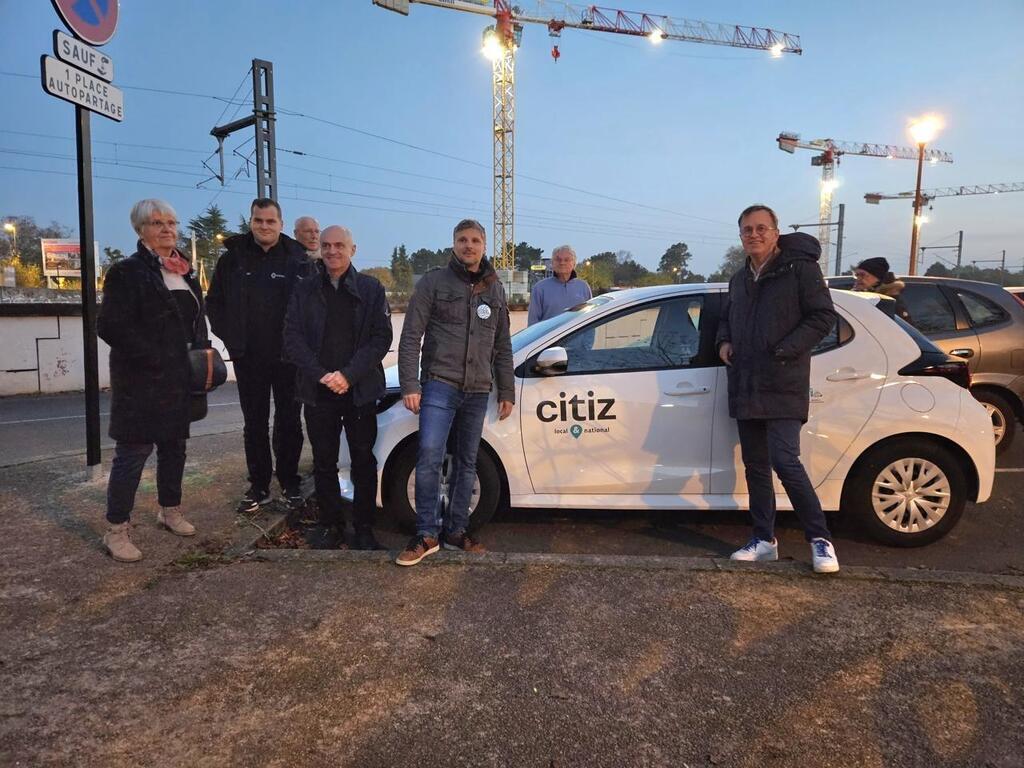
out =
column 768, row 444
column 445, row 409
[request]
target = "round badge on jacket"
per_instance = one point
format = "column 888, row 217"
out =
column 483, row 311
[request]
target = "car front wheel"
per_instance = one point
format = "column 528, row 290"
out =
column 906, row 493
column 399, row 489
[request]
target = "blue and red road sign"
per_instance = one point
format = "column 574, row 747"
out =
column 92, row 21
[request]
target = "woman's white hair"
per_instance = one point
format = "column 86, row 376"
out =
column 144, row 209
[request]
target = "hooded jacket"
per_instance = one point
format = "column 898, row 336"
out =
column 462, row 318
column 773, row 323
column 249, row 295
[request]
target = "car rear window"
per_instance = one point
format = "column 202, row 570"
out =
column 982, row 311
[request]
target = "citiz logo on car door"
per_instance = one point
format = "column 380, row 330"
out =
column 577, row 408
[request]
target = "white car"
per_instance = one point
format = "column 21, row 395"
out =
column 621, row 403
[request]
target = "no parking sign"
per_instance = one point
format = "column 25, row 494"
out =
column 93, row 21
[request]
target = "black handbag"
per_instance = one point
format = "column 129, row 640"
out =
column 207, row 368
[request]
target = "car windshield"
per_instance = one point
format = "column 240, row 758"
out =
column 533, row 332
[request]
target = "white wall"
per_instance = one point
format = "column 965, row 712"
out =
column 44, row 354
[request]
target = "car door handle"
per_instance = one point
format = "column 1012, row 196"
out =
column 690, row 391
column 962, row 352
column 847, row 374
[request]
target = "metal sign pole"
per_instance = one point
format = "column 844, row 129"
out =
column 83, row 136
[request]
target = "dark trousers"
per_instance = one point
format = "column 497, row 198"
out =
column 256, row 382
column 324, row 424
column 768, row 444
column 126, row 470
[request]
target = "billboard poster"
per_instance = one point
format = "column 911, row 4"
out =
column 63, row 258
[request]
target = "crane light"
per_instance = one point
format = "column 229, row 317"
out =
column 776, row 50
column 656, row 36
column 492, row 47
column 828, row 187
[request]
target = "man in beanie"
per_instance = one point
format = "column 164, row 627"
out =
column 873, row 275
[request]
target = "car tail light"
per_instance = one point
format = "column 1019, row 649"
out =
column 944, row 366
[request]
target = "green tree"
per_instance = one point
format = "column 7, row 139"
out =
column 526, row 255
column 598, row 272
column 243, row 224
column 675, row 258
column 211, row 229
column 627, row 272
column 938, row 269
column 732, row 262
column 401, row 269
column 424, row 259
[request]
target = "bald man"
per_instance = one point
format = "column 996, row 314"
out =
column 307, row 232
column 336, row 333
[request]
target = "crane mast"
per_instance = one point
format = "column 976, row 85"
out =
column 501, row 42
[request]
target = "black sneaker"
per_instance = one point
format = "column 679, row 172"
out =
column 365, row 540
column 326, row 537
column 253, row 499
column 463, row 542
column 293, row 497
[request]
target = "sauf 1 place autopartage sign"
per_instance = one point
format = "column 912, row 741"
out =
column 80, row 74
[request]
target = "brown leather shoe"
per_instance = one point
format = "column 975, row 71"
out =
column 119, row 543
column 171, row 519
column 464, row 543
column 417, row 548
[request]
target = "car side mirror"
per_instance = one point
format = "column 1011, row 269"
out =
column 552, row 361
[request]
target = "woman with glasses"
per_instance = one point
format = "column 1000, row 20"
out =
column 152, row 312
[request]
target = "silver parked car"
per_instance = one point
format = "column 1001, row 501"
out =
column 980, row 322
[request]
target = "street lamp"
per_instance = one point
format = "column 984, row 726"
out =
column 9, row 226
column 922, row 130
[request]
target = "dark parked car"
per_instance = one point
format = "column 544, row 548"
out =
column 980, row 322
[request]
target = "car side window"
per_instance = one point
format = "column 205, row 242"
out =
column 841, row 333
column 982, row 311
column 928, row 308
column 651, row 337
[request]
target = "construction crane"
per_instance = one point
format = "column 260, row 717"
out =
column 927, row 195
column 830, row 151
column 503, row 38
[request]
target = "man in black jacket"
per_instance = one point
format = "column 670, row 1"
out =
column 777, row 311
column 337, row 332
column 246, row 304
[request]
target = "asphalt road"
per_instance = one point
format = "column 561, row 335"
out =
column 986, row 539
column 36, row 427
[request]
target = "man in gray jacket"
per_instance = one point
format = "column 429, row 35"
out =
column 461, row 314
column 553, row 295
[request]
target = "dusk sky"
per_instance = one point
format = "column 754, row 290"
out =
column 621, row 145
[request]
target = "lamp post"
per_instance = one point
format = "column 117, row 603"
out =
column 923, row 130
column 10, row 226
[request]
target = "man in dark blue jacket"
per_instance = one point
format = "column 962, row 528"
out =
column 246, row 303
column 778, row 309
column 337, row 332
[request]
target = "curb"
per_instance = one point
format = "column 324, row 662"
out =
column 253, row 530
column 657, row 562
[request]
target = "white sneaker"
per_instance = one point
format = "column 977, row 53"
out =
column 757, row 550
column 823, row 555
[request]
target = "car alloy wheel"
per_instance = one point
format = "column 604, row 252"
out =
column 911, row 495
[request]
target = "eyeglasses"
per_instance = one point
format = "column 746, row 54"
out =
column 172, row 224
column 760, row 229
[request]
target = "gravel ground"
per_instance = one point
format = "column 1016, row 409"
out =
column 189, row 658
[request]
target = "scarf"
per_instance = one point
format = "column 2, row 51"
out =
column 175, row 263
